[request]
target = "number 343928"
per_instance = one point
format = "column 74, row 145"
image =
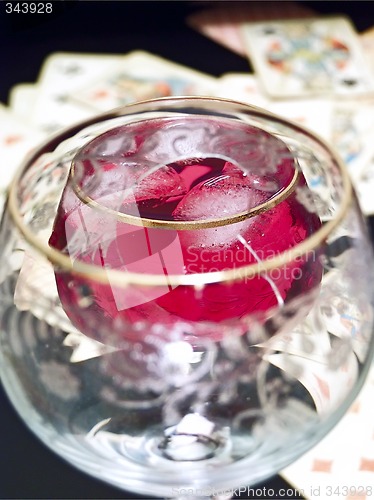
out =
column 28, row 7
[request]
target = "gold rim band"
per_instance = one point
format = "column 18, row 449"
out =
column 184, row 225
column 120, row 278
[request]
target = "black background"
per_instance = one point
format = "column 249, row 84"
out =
column 27, row 468
column 122, row 26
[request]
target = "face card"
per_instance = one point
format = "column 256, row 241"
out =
column 140, row 76
column 222, row 24
column 301, row 58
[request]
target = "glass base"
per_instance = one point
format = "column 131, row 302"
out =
column 172, row 463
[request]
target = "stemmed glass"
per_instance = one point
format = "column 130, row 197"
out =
column 186, row 295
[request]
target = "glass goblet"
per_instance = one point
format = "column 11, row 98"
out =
column 185, row 297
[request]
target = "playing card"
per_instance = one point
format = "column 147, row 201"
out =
column 222, row 24
column 61, row 75
column 320, row 381
column 364, row 184
column 301, row 58
column 367, row 42
column 342, row 464
column 16, row 140
column 22, row 98
column 352, row 133
column 74, row 87
column 140, row 76
column 242, row 87
column 314, row 113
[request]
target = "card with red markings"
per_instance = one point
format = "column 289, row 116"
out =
column 16, row 141
column 300, row 58
column 72, row 88
column 61, row 75
column 222, row 24
column 140, row 76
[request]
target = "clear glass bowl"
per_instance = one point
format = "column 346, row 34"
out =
column 186, row 295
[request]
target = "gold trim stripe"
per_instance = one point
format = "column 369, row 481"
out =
column 188, row 225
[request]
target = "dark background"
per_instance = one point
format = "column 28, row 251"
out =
column 27, row 469
column 122, row 26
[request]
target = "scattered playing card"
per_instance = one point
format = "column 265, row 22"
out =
column 342, row 464
column 242, row 87
column 365, row 183
column 300, row 58
column 140, row 76
column 62, row 74
column 352, row 133
column 22, row 100
column 314, row 113
column 222, row 24
column 367, row 42
column 319, row 380
column 16, row 140
column 74, row 87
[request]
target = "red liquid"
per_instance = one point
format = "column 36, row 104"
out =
column 189, row 190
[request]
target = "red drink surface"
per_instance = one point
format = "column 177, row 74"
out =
column 199, row 188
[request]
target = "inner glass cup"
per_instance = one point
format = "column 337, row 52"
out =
column 181, row 196
column 193, row 257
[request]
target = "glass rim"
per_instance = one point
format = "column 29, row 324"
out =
column 135, row 220
column 123, row 278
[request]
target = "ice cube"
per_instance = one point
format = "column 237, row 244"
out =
column 160, row 185
column 122, row 183
column 267, row 183
column 219, row 197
